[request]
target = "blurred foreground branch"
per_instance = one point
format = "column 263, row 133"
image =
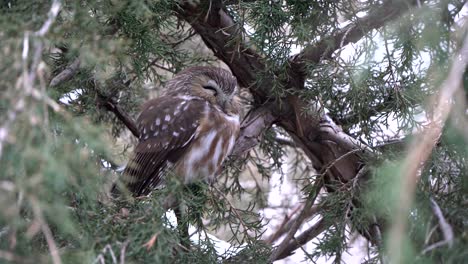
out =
column 420, row 150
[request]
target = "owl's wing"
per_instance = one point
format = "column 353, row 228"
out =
column 167, row 125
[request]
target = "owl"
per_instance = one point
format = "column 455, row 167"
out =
column 189, row 130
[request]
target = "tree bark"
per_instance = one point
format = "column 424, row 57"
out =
column 331, row 151
column 315, row 132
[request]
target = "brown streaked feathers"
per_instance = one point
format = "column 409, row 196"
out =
column 189, row 130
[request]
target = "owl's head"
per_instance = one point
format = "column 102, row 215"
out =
column 215, row 85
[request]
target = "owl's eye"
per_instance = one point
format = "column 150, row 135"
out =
column 212, row 87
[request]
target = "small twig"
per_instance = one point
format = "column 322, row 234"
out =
column 287, row 218
column 287, row 226
column 178, row 42
column 122, row 251
column 300, row 219
column 110, row 105
column 234, row 209
column 109, row 248
column 334, row 162
column 101, row 258
column 447, row 230
column 304, row 237
column 150, row 243
column 434, row 246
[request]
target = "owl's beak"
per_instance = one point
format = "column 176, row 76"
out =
column 223, row 100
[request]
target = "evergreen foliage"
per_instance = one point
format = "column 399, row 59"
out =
column 62, row 144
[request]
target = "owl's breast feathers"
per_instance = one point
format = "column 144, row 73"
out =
column 185, row 134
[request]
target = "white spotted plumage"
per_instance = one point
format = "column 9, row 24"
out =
column 189, row 129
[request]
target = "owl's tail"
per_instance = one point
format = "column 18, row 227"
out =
column 139, row 177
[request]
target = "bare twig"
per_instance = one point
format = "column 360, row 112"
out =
column 434, row 246
column 447, row 230
column 300, row 219
column 287, row 224
column 110, row 105
column 334, row 162
column 304, row 237
column 280, row 231
column 421, row 150
column 122, row 251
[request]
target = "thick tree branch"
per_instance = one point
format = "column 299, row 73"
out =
column 253, row 126
column 319, row 137
column 377, row 17
column 221, row 34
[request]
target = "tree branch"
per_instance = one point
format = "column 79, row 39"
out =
column 66, row 74
column 253, row 126
column 420, row 150
column 378, row 17
column 296, row 225
column 303, row 238
column 217, row 28
column 447, row 230
column 110, row 105
column 316, row 133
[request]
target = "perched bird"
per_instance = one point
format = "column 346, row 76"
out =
column 189, row 130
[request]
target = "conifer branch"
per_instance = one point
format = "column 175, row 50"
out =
column 46, row 231
column 218, row 28
column 111, row 105
column 421, row 150
column 68, row 73
column 53, row 160
column 315, row 132
column 253, row 126
column 303, row 238
column 280, row 250
column 447, row 230
column 377, row 17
